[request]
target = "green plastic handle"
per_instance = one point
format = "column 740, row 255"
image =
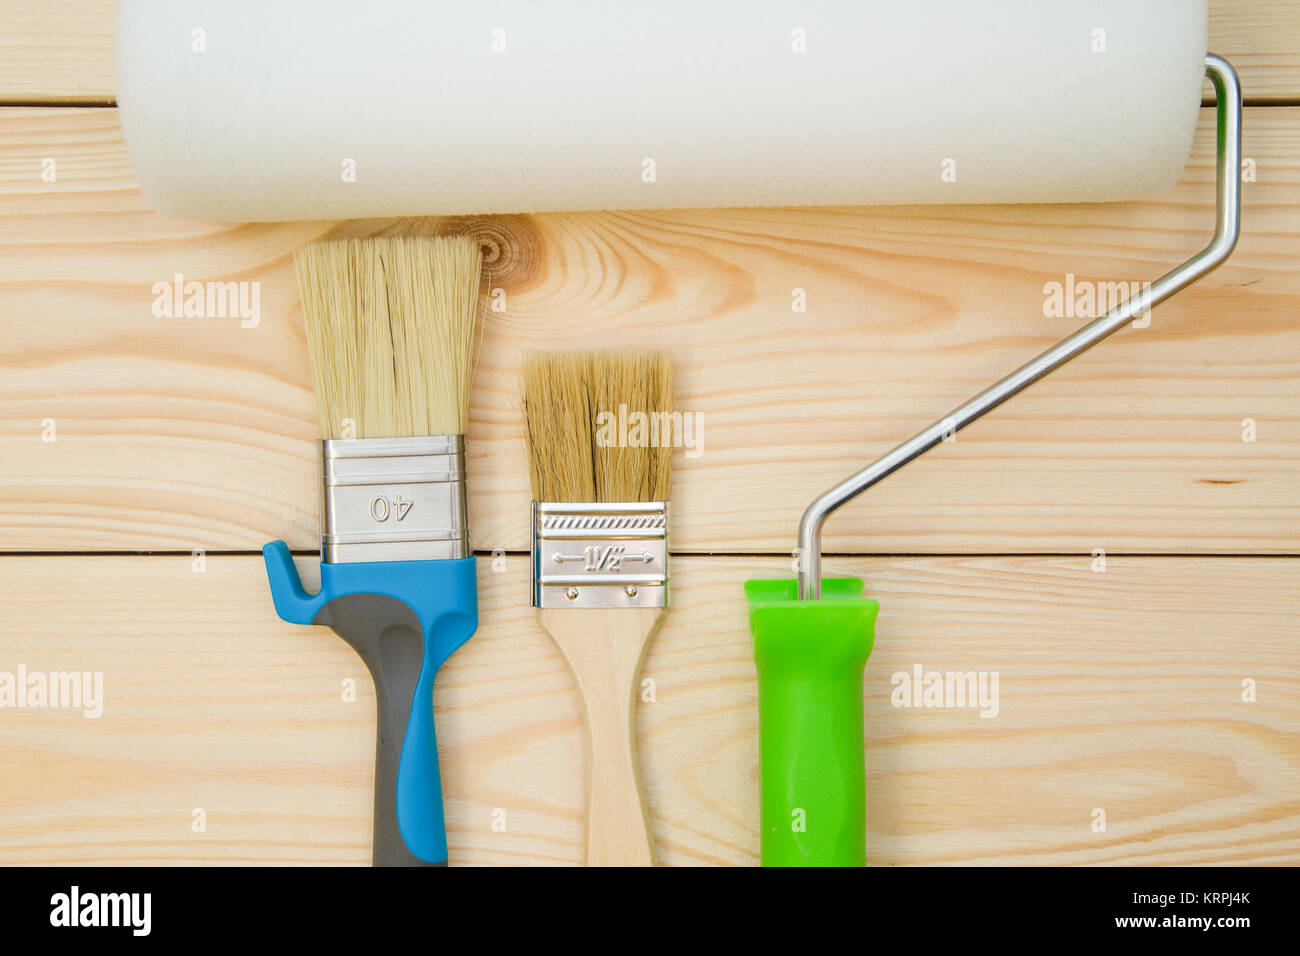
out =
column 810, row 657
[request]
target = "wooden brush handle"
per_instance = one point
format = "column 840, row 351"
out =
column 604, row 650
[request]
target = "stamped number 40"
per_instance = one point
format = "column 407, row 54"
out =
column 381, row 509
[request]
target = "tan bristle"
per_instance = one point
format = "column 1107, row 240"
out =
column 392, row 330
column 577, row 450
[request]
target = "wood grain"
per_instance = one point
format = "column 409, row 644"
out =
column 61, row 51
column 181, row 433
column 1118, row 690
column 57, row 51
column 1262, row 39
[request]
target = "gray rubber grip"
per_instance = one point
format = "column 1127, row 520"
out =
column 388, row 636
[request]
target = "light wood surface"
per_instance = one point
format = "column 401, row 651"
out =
column 604, row 649
column 1118, row 690
column 62, row 50
column 182, row 433
column 57, row 51
column 1262, row 39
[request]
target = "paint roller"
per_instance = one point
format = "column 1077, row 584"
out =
column 326, row 109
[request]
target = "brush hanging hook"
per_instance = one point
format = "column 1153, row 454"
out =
column 1227, row 230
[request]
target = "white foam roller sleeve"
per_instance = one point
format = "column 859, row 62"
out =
column 248, row 110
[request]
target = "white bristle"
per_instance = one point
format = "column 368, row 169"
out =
column 392, row 330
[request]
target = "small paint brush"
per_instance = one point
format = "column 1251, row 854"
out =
column 600, row 437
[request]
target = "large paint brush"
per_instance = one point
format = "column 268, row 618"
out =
column 392, row 332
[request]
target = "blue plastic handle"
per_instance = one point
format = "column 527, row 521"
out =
column 443, row 595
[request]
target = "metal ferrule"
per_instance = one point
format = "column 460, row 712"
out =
column 600, row 555
column 393, row 499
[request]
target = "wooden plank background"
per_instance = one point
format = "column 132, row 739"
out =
column 1120, row 690
column 1137, row 447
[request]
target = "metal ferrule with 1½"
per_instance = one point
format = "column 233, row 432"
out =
column 600, row 555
